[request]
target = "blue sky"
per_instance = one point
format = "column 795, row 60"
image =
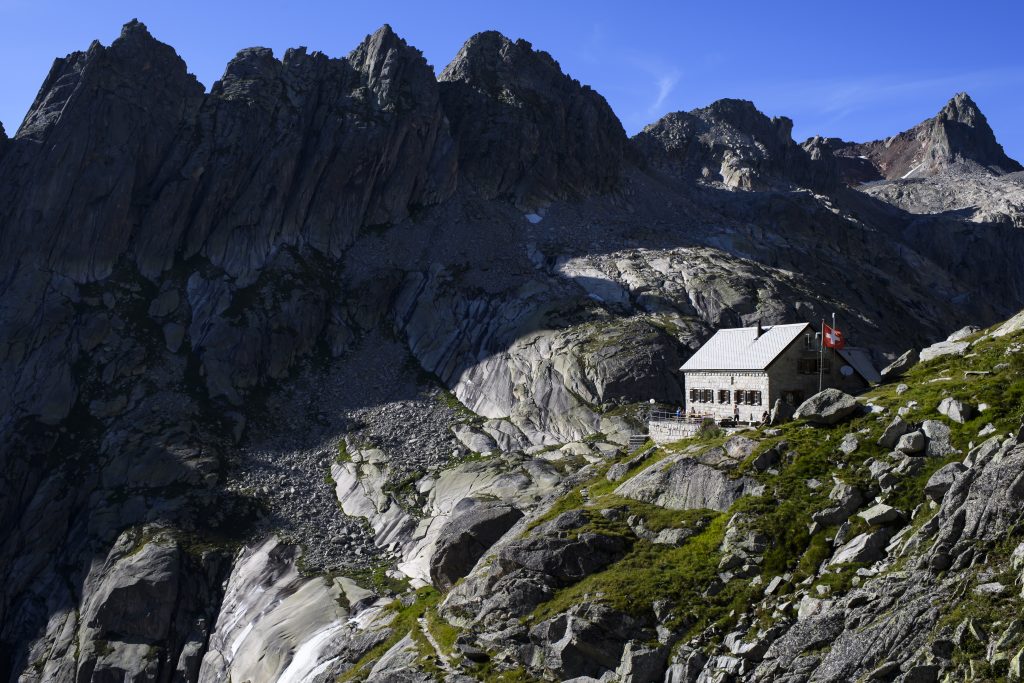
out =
column 858, row 70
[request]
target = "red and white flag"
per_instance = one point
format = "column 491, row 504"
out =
column 832, row 337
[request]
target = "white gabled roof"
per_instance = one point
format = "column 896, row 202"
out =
column 741, row 349
column 860, row 360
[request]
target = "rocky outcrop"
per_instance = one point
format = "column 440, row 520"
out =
column 277, row 625
column 681, row 483
column 588, row 640
column 465, row 538
column 732, row 143
column 526, row 131
column 524, row 572
column 145, row 614
column 958, row 133
column 980, row 504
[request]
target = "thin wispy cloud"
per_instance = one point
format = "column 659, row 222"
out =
column 666, row 84
column 839, row 98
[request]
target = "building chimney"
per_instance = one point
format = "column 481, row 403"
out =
column 760, row 330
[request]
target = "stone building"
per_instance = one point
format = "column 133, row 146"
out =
column 746, row 369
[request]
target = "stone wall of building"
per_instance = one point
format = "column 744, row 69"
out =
column 731, row 382
column 667, row 431
column 785, row 377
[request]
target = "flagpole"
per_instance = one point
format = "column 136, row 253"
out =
column 821, row 352
column 833, row 332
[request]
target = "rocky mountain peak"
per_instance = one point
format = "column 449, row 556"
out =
column 492, row 62
column 962, row 133
column 135, row 68
column 962, row 109
column 384, row 59
column 136, row 30
column 746, row 118
column 957, row 137
column 527, row 131
column 731, row 142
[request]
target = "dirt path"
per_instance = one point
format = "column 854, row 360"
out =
column 448, row 667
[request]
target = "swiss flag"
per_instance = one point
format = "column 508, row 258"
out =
column 832, row 337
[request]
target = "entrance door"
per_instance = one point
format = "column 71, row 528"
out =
column 793, row 397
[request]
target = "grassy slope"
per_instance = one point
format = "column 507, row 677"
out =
column 655, row 572
column 681, row 575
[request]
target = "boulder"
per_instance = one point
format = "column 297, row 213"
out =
column 563, row 560
column 686, row 666
column 506, row 435
column 944, row 348
column 827, row 407
column 922, row 673
column 748, row 649
column 866, row 548
column 475, row 440
column 739, row 448
column 782, row 412
column 465, row 538
column 963, row 333
column 983, row 452
column 899, row 366
column 742, row 540
column 617, row 471
column 681, row 483
column 911, row 443
column 165, row 304
column 897, row 428
column 174, row 335
column 769, row 457
column 641, row 662
column 847, row 499
column 955, row 410
column 587, row 640
column 942, row 480
column 939, row 444
column 849, row 444
column 1014, row 324
column 880, row 514
column 1017, row 663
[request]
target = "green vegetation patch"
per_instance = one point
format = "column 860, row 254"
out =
column 652, row 572
column 404, row 622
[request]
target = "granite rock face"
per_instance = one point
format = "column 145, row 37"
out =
column 732, row 143
column 526, row 131
column 681, row 483
column 465, row 538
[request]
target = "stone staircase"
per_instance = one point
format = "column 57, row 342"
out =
column 636, row 441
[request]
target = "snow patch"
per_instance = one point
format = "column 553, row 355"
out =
column 911, row 171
